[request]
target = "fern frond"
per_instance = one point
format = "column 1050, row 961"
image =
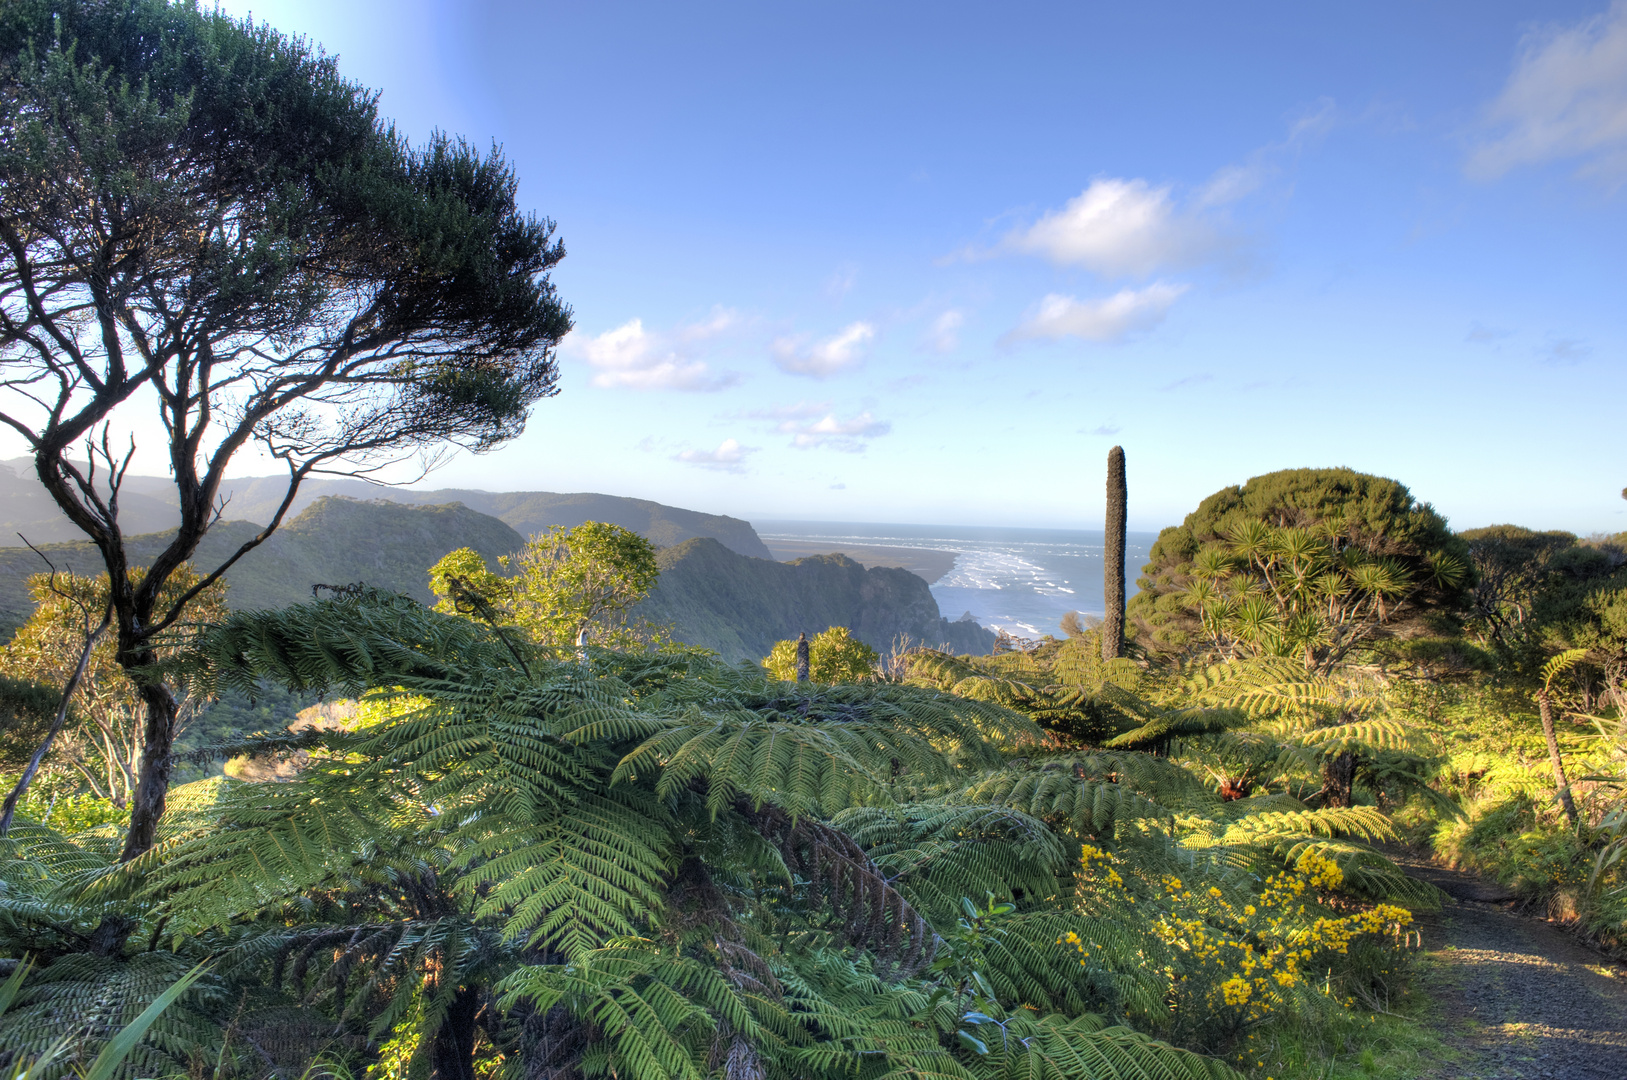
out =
column 936, row 853
column 1057, row 1048
column 1269, row 827
column 1084, row 806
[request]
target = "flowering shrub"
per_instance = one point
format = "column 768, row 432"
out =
column 1229, row 962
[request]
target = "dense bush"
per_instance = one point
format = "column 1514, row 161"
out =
column 1370, row 515
column 650, row 863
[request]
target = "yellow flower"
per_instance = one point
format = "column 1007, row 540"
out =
column 1236, row 991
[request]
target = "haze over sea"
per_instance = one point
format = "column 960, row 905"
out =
column 1021, row 581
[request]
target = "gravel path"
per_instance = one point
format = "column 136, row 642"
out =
column 1521, row 999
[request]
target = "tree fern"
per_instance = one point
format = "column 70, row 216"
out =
column 666, row 867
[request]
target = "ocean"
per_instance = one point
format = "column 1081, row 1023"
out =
column 1021, row 581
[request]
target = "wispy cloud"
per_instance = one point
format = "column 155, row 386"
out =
column 634, row 358
column 944, row 335
column 1104, row 429
column 1189, row 380
column 730, row 456
column 822, row 359
column 800, row 411
column 1566, row 98
column 833, row 432
column 1565, row 351
column 1111, row 318
column 1481, row 334
column 1230, row 183
column 841, row 282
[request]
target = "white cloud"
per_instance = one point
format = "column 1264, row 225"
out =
column 1566, row 98
column 730, row 456
column 1118, row 228
column 945, row 333
column 1109, row 319
column 634, row 358
column 823, row 359
column 832, row 432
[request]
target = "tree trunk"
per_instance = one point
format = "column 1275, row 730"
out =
column 452, row 1057
column 1339, row 779
column 1113, row 571
column 152, row 783
column 1545, row 707
column 802, row 657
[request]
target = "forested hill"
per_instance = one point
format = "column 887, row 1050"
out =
column 148, row 503
column 532, row 512
column 334, row 541
column 741, row 606
column 712, row 596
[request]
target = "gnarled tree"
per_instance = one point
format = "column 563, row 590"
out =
column 202, row 224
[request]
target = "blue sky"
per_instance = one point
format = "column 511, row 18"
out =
column 928, row 263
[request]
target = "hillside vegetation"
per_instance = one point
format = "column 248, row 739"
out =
column 660, row 863
column 525, row 850
column 335, row 541
column 739, row 607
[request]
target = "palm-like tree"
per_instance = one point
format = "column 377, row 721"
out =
column 1294, row 591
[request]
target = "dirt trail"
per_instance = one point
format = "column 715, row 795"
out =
column 1521, row 999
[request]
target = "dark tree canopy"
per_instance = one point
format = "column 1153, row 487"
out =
column 1539, row 593
column 1377, row 516
column 202, row 216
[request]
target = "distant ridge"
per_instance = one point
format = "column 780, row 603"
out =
column 334, row 541
column 148, row 502
column 719, row 587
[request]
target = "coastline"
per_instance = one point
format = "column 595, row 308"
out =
column 930, row 564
